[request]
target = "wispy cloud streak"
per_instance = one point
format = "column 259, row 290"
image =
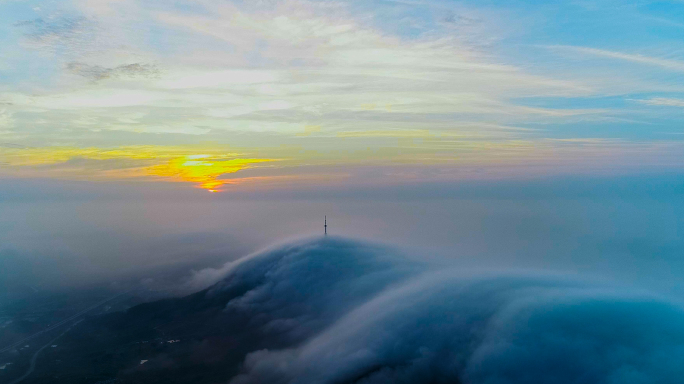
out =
column 673, row 65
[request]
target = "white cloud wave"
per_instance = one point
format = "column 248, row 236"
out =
column 356, row 313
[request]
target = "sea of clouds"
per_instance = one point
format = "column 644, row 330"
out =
column 351, row 312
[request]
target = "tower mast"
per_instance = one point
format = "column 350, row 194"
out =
column 325, row 226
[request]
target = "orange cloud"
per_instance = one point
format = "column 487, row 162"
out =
column 199, row 165
column 203, row 170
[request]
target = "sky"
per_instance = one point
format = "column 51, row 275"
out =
column 504, row 134
column 230, row 95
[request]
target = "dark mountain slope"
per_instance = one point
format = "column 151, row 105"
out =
column 270, row 300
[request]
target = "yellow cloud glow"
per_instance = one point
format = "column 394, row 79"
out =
column 204, row 172
column 202, row 166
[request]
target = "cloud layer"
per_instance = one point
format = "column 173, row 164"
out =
column 380, row 84
column 348, row 312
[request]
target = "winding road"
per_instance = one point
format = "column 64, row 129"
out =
column 50, row 328
column 35, row 355
column 65, row 321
